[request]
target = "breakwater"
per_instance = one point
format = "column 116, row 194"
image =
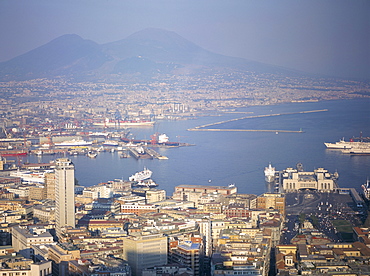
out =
column 246, row 130
column 205, row 127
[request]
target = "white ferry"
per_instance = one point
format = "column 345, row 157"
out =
column 269, row 173
column 141, row 176
column 342, row 144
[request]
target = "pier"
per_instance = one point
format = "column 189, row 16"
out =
column 155, row 154
column 203, row 127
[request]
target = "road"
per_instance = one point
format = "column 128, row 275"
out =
column 325, row 207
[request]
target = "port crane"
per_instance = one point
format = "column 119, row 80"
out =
column 7, row 134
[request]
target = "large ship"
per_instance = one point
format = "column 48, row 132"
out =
column 357, row 150
column 141, row 176
column 119, row 123
column 269, row 173
column 73, row 143
column 342, row 144
column 111, row 143
column 156, row 139
column 13, row 152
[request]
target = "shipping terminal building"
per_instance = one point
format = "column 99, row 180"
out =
column 293, row 180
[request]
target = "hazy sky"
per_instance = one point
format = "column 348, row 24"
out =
column 320, row 36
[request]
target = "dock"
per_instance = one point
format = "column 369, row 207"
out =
column 145, row 153
column 155, row 154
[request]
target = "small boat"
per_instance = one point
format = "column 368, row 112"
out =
column 92, row 154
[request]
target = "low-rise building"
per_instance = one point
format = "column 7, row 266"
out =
column 24, row 237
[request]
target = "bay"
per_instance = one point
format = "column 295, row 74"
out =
column 221, row 158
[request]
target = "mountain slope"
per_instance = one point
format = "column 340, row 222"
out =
column 64, row 55
column 148, row 52
column 163, row 46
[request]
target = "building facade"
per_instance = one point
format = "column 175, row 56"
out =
column 292, row 180
column 144, row 251
column 270, row 200
column 64, row 194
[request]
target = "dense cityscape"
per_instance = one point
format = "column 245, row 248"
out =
column 51, row 225
column 60, row 102
column 91, row 89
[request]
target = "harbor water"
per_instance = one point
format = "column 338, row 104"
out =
column 239, row 157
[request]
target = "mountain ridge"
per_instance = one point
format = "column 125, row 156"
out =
column 147, row 52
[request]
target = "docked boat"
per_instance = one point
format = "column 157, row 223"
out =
column 92, row 154
column 73, row 143
column 357, row 150
column 141, row 176
column 125, row 154
column 110, row 143
column 149, row 183
column 156, row 139
column 366, row 188
column 269, row 173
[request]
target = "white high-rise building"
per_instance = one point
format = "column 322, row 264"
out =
column 64, row 194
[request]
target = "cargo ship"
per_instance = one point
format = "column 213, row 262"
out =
column 162, row 140
column 73, row 143
column 13, row 152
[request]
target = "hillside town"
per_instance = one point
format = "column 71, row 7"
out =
column 51, row 226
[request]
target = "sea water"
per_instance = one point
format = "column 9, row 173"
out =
column 221, row 158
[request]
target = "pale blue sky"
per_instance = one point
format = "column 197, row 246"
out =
column 319, row 36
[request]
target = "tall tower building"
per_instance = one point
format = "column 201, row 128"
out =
column 64, row 194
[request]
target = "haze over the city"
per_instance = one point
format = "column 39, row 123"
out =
column 320, row 37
